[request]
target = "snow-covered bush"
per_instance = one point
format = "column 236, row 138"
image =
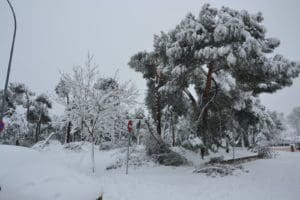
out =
column 47, row 144
column 162, row 154
column 137, row 158
column 171, row 159
column 155, row 146
column 220, row 170
column 264, row 152
column 193, row 143
column 110, row 145
column 73, row 146
column 217, row 159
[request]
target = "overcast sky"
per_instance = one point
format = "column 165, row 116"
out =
column 55, row 35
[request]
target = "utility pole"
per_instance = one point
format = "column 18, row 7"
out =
column 9, row 63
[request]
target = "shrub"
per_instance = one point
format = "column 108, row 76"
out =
column 217, row 159
column 264, row 152
column 162, row 154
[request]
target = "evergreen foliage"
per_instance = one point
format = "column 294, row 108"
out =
column 210, row 69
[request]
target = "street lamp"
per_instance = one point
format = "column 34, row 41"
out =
column 9, row 63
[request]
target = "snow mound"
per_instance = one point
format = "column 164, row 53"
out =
column 137, row 158
column 220, row 170
column 28, row 174
column 63, row 174
column 79, row 146
column 46, row 145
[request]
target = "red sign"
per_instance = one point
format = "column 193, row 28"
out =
column 129, row 126
column 1, row 126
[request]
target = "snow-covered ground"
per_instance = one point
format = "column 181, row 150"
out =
column 57, row 173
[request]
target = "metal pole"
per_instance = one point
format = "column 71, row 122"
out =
column 9, row 63
column 127, row 157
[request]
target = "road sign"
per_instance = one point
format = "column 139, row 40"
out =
column 1, row 126
column 129, row 126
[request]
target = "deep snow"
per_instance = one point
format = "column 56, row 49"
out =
column 57, row 173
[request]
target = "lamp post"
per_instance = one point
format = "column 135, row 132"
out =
column 9, row 63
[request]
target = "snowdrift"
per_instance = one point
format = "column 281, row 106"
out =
column 57, row 173
column 27, row 174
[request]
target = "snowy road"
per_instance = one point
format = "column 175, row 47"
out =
column 58, row 174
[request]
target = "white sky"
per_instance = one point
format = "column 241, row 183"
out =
column 55, row 35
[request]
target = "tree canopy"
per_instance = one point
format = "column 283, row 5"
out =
column 211, row 68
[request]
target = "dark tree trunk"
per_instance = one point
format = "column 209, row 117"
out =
column 37, row 132
column 27, row 104
column 208, row 82
column 68, row 136
column 158, row 84
column 253, row 138
column 205, row 100
column 36, row 136
column 173, row 131
column 69, row 126
column 246, row 140
column 39, row 129
column 158, row 112
column 81, row 130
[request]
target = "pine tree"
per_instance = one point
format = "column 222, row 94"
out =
column 219, row 46
column 38, row 113
column 63, row 91
column 147, row 64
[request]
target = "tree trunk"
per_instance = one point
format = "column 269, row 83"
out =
column 253, row 138
column 246, row 139
column 69, row 126
column 205, row 100
column 113, row 137
column 27, row 104
column 158, row 140
column 68, row 133
column 158, row 112
column 93, row 154
column 208, row 82
column 81, row 129
column 242, row 140
column 37, row 132
column 40, row 124
column 172, row 129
